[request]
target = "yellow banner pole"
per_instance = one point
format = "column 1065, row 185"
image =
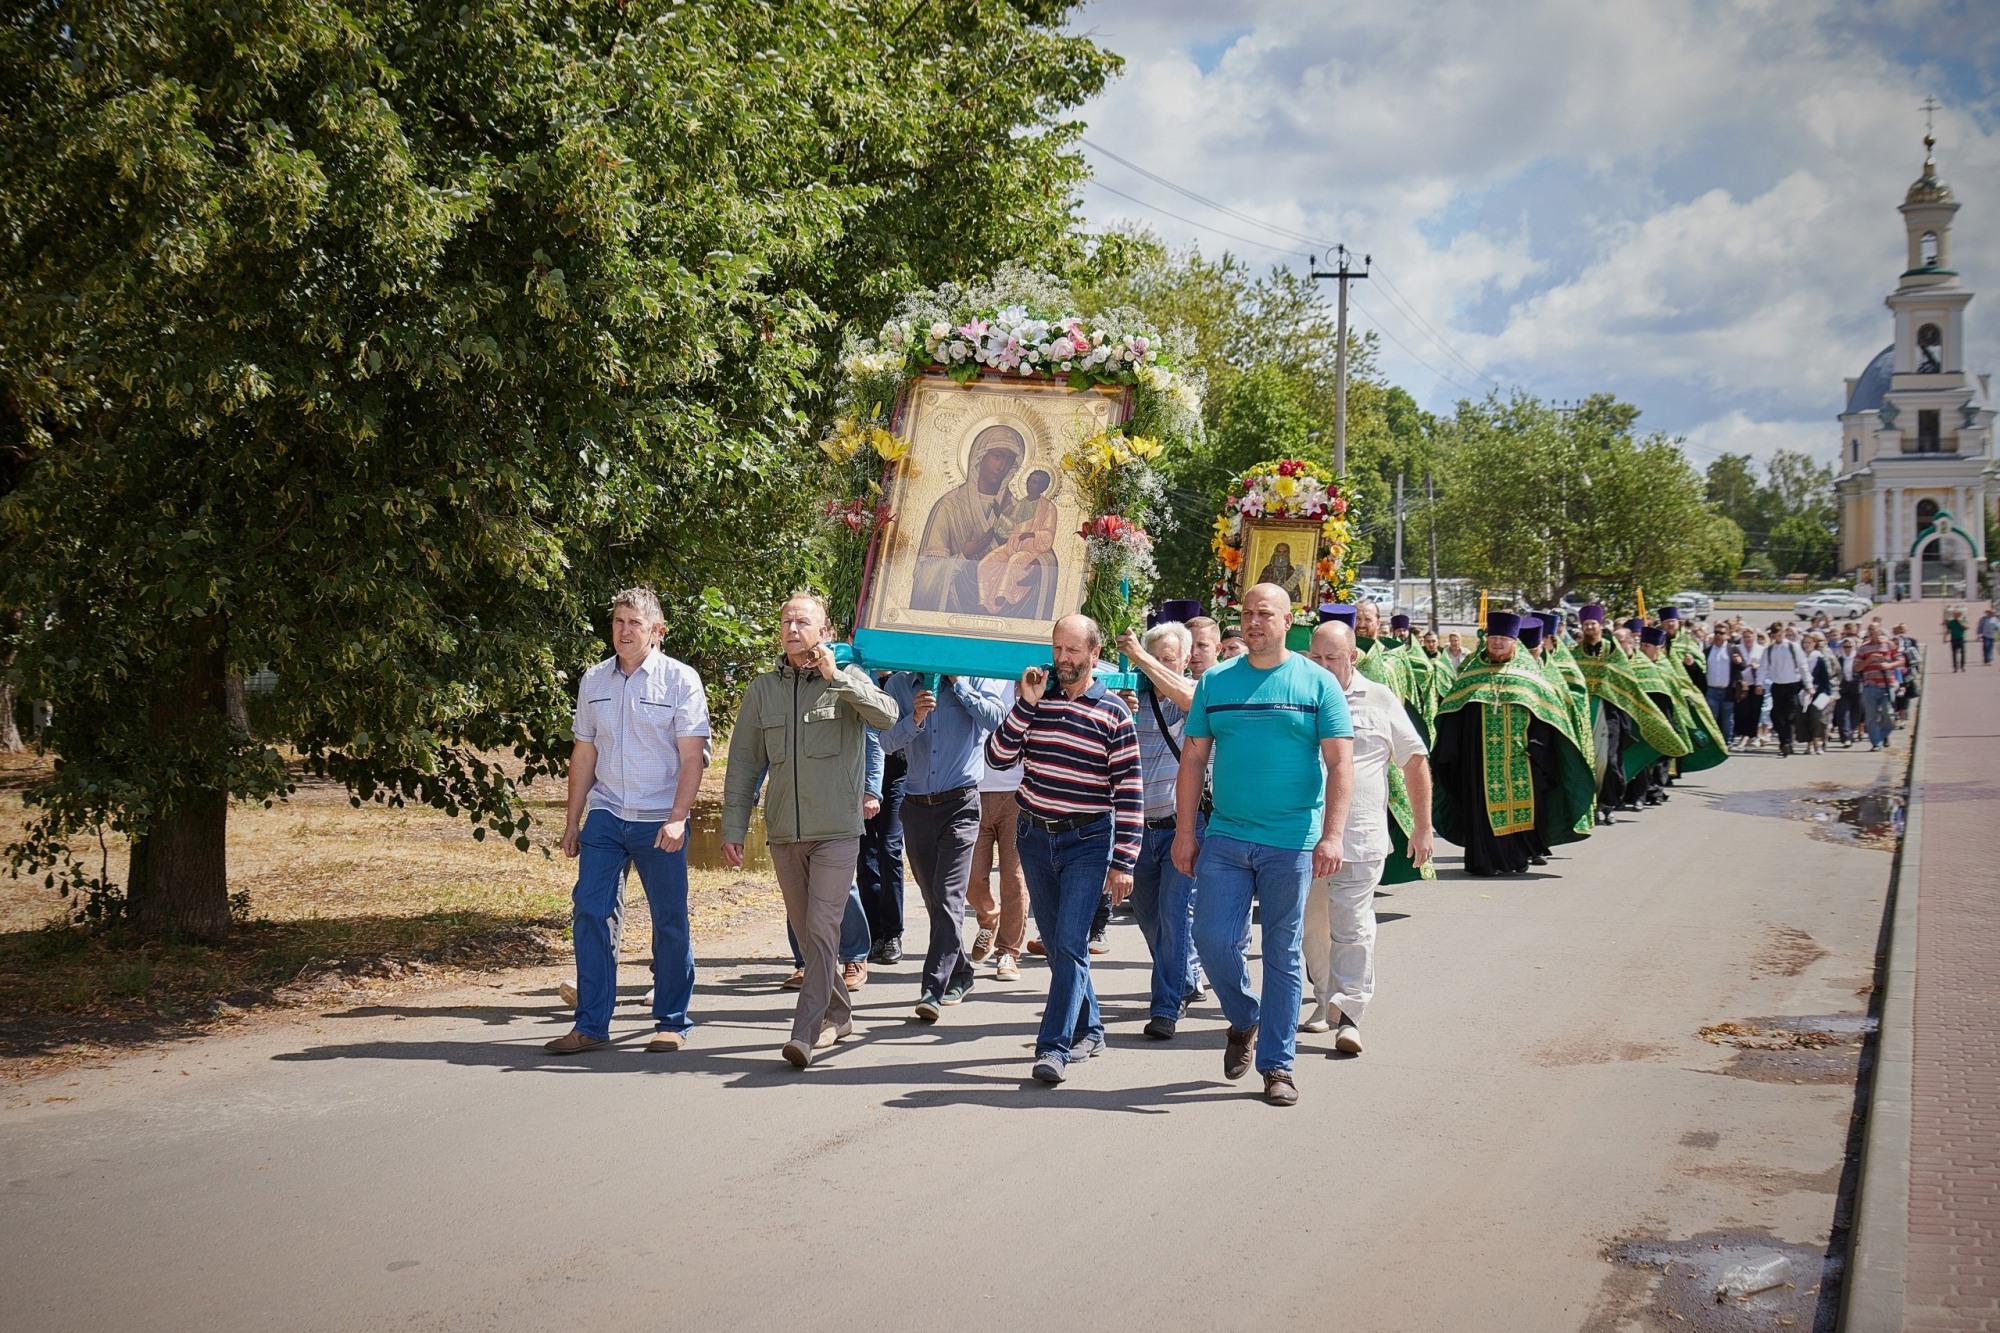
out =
column 1482, row 610
column 1642, row 603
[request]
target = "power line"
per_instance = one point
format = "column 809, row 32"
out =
column 1402, row 304
column 1262, row 245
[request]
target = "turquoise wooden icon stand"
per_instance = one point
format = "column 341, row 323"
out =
column 936, row 655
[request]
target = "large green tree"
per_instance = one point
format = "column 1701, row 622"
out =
column 1547, row 501
column 376, row 341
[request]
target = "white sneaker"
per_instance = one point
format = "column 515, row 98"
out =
column 1348, row 1040
column 566, row 992
column 1317, row 1023
column 648, row 1001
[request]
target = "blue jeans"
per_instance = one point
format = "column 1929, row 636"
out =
column 1230, row 873
column 606, row 846
column 1163, row 905
column 1724, row 709
column 1877, row 711
column 854, row 940
column 1065, row 873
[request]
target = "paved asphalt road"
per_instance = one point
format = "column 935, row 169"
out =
column 1534, row 1091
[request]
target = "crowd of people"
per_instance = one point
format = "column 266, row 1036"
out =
column 1237, row 772
column 1799, row 690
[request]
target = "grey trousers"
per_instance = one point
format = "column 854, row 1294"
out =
column 815, row 878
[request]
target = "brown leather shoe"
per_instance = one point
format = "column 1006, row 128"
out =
column 1236, row 1055
column 666, row 1041
column 1279, row 1090
column 855, row 974
column 797, row 980
column 573, row 1043
column 1035, row 948
column 796, row 1053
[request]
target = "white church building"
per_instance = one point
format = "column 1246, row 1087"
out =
column 1917, row 470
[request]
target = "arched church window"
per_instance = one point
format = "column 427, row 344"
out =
column 1926, row 511
column 1930, row 350
column 1854, row 447
column 1927, row 250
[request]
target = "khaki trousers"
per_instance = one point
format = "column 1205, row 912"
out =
column 1005, row 914
column 815, row 878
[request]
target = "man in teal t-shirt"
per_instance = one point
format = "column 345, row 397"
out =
column 1277, row 729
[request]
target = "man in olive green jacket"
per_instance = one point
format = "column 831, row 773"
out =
column 804, row 724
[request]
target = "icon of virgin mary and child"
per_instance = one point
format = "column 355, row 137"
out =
column 986, row 549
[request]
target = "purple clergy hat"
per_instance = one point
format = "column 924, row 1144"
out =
column 1636, row 624
column 1530, row 634
column 1503, row 624
column 1398, row 623
column 1654, row 635
column 1341, row 611
column 1549, row 621
column 1595, row 611
column 1670, row 613
column 1182, row 609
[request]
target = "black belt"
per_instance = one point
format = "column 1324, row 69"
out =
column 1157, row 824
column 942, row 797
column 1064, row 825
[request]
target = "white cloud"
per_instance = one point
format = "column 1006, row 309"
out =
column 1736, row 433
column 1689, row 203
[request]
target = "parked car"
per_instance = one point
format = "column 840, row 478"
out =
column 1697, row 604
column 1379, row 593
column 1838, row 605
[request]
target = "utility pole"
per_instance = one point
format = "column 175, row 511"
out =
column 1397, row 600
column 1431, row 501
column 1344, row 273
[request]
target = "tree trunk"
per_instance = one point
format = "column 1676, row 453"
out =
column 178, row 875
column 179, row 880
column 232, row 701
column 10, row 734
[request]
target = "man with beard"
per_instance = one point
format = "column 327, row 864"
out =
column 1083, row 819
column 1507, row 775
column 1629, row 730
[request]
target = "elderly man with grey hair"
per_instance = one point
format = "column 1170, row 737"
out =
column 641, row 731
column 1163, row 897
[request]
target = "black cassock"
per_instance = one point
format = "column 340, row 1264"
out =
column 1458, row 765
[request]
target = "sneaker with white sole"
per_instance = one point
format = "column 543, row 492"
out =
column 1050, row 1068
column 1347, row 1038
column 982, row 945
column 1317, row 1021
column 1007, row 969
column 566, row 992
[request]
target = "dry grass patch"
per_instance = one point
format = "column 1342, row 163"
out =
column 344, row 903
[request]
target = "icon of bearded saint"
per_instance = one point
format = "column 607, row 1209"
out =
column 963, row 529
column 1281, row 571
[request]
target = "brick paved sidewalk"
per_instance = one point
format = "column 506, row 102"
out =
column 1953, row 1273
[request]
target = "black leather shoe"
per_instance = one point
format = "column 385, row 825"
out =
column 1160, row 1029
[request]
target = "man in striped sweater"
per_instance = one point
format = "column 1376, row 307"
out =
column 1082, row 819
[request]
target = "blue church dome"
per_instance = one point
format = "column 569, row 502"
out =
column 1873, row 382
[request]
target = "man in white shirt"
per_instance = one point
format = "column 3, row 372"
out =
column 641, row 731
column 1339, row 929
column 1003, row 909
column 1716, row 684
column 1785, row 670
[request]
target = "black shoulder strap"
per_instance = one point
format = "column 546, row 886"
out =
column 1166, row 732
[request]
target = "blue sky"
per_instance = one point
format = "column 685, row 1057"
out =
column 1689, row 204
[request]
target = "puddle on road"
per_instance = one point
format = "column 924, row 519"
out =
column 1682, row 1294
column 1849, row 816
column 1820, row 1048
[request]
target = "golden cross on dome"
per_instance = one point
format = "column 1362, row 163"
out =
column 1929, row 107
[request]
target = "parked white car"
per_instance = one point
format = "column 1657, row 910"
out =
column 1838, row 605
column 1379, row 593
column 1697, row 604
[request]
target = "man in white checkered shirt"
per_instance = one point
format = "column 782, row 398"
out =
column 641, row 742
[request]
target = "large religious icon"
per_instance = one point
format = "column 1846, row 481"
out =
column 1284, row 552
column 984, row 539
